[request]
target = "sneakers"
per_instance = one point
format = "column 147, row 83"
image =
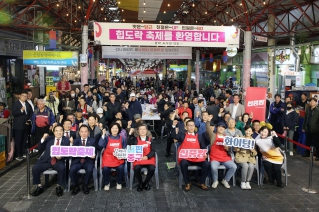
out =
column 107, row 187
column 118, row 186
column 19, row 158
column 215, row 184
column 225, row 183
column 291, row 153
column 243, row 185
column 248, row 186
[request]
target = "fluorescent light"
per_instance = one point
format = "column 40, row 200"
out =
column 177, row 21
column 113, row 8
column 116, row 20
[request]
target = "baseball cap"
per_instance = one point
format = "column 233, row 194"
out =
column 137, row 116
column 221, row 124
column 132, row 95
column 200, row 95
column 79, row 110
column 99, row 110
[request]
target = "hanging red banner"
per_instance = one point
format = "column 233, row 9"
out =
column 255, row 102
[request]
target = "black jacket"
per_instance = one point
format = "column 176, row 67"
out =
column 213, row 110
column 133, row 141
column 112, row 109
column 180, row 137
column 160, row 105
column 290, row 120
column 20, row 118
column 78, row 142
column 46, row 147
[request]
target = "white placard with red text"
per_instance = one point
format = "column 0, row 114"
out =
column 192, row 153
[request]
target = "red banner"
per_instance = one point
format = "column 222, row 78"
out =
column 256, row 102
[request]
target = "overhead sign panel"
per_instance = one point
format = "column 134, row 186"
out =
column 55, row 58
column 165, row 35
column 147, row 52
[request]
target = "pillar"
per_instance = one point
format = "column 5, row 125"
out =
column 84, row 67
column 92, row 67
column 108, row 70
column 197, row 71
column 189, row 73
column 164, row 70
column 247, row 59
column 271, row 57
column 97, row 64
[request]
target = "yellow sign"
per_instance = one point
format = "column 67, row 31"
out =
column 30, row 54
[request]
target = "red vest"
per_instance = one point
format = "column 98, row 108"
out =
column 217, row 151
column 190, row 142
column 108, row 159
column 74, row 128
column 84, row 111
column 146, row 150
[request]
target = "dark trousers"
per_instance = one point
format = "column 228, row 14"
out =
column 184, row 168
column 312, row 138
column 38, row 168
column 273, row 171
column 169, row 143
column 138, row 174
column 119, row 173
column 87, row 166
column 38, row 134
column 20, row 142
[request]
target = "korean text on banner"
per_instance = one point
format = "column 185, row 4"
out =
column 242, row 143
column 255, row 102
column 72, row 151
column 165, row 35
column 56, row 58
column 131, row 153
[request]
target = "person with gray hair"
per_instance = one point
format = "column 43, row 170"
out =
column 42, row 121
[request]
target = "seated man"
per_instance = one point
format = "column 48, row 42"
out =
column 148, row 159
column 82, row 163
column 191, row 140
column 46, row 161
column 219, row 154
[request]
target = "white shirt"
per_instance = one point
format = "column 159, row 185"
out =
column 143, row 139
column 85, row 140
column 233, row 115
column 30, row 102
column 191, row 133
column 23, row 105
column 56, row 141
column 66, row 134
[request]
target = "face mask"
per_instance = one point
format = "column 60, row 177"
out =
column 288, row 108
column 73, row 95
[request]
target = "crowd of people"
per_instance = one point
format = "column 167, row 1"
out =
column 109, row 115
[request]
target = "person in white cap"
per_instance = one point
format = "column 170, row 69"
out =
column 103, row 117
column 200, row 96
column 135, row 106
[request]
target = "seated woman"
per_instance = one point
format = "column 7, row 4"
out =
column 4, row 113
column 148, row 159
column 245, row 158
column 109, row 161
column 268, row 144
column 219, row 154
column 244, row 121
column 231, row 130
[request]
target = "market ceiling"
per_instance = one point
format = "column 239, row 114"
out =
column 291, row 16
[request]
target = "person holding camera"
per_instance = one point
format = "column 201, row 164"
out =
column 52, row 102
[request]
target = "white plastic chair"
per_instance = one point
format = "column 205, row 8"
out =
column 144, row 169
column 283, row 166
column 50, row 171
column 101, row 174
column 82, row 171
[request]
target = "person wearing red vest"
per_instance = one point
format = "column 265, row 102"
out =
column 218, row 154
column 109, row 161
column 148, row 159
column 191, row 140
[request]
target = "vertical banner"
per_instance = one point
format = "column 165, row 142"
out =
column 256, row 102
column 52, row 39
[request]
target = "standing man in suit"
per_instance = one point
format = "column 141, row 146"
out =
column 29, row 99
column 235, row 109
column 67, row 124
column 22, row 113
column 82, row 163
column 46, row 161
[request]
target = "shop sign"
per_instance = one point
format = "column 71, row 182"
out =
column 147, row 52
column 56, row 58
column 165, row 35
column 284, row 57
column 314, row 59
column 256, row 102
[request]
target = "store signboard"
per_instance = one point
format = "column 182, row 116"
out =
column 284, row 57
column 314, row 59
column 165, row 35
column 147, row 52
column 56, row 58
column 256, row 102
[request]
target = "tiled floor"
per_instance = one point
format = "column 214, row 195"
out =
column 169, row 197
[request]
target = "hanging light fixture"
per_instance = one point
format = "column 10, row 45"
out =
column 299, row 50
column 168, row 4
column 203, row 57
column 225, row 56
column 144, row 10
column 307, row 50
column 144, row 3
